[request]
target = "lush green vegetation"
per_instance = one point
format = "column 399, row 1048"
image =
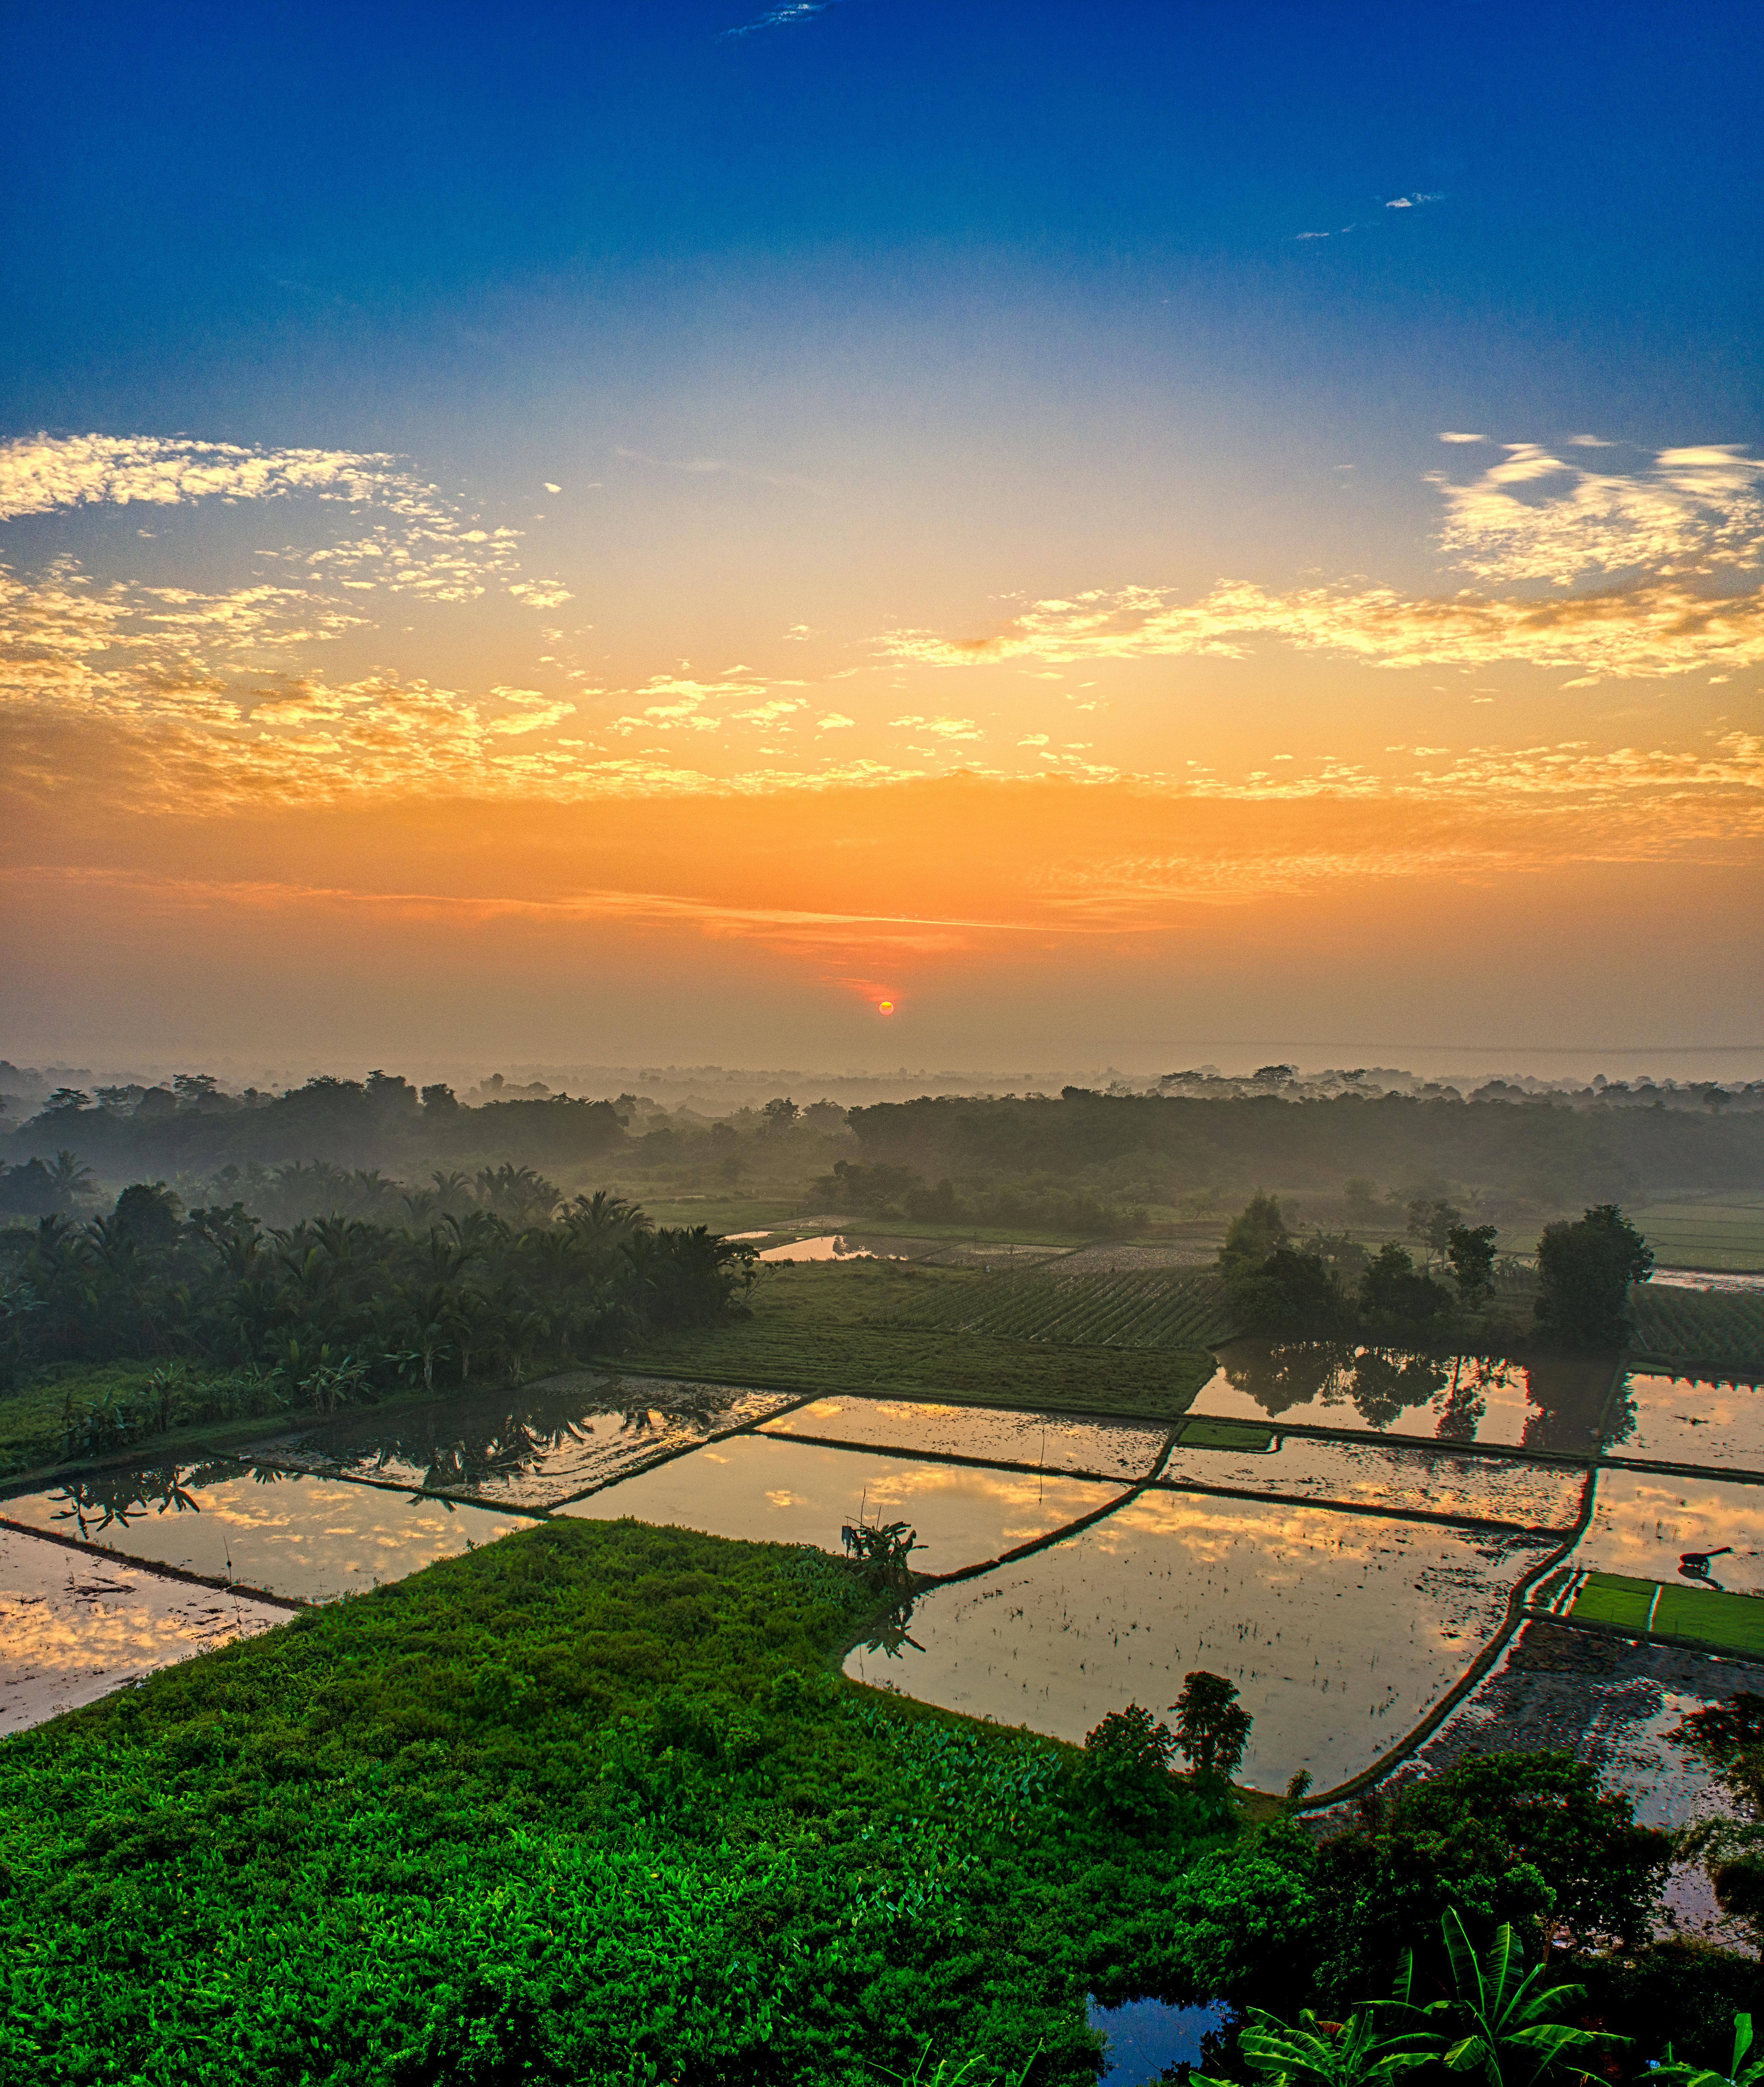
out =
column 587, row 1806
column 1719, row 1330
column 85, row 1407
column 334, row 1307
column 877, row 1325
column 1724, row 1622
column 1138, row 1309
column 590, row 1806
column 1719, row 1233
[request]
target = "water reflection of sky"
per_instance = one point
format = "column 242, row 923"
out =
column 1115, row 1449
column 1338, row 1631
column 769, row 1491
column 1554, row 1405
column 1689, row 1420
column 1392, row 1475
column 1643, row 1521
column 308, row 1538
column 73, row 1628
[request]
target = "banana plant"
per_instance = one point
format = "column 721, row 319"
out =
column 1314, row 2053
column 1514, row 2035
column 1738, row 2073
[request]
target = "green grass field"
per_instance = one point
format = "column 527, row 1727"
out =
column 1208, row 1434
column 1725, row 1233
column 593, row 1804
column 876, row 1326
column 1719, row 1330
column 1726, row 1622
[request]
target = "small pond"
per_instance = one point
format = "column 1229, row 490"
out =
column 1055, row 1441
column 1556, row 1405
column 773, row 1491
column 533, row 1446
column 1339, row 1630
column 73, row 1627
column 308, row 1538
column 1689, row 1420
column 1147, row 2038
column 1643, row 1521
column 1390, row 1475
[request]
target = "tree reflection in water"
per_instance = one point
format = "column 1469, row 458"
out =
column 1551, row 1403
column 461, row 1445
column 107, row 1500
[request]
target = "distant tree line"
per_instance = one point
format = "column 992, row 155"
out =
column 336, row 1308
column 1332, row 1289
column 194, row 1130
column 1559, row 1156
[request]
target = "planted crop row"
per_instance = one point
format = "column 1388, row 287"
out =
column 1722, row 1327
column 1135, row 1309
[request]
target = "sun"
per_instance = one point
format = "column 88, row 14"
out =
column 884, row 1007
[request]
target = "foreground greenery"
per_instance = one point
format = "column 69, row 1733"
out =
column 586, row 1806
column 592, row 1806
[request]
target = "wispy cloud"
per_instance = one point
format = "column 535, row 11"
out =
column 790, row 16
column 1651, row 631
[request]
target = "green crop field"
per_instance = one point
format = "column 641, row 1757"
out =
column 1724, row 1233
column 1719, row 1330
column 1209, row 1434
column 1139, row 1308
column 885, row 1327
column 1728, row 1623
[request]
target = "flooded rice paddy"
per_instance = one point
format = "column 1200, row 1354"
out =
column 1343, row 1584
column 533, row 1447
column 1052, row 1441
column 308, row 1538
column 74, row 1626
column 1643, row 1521
column 768, row 1491
column 1556, row 1406
column 1376, row 1474
column 1340, row 1631
column 1689, row 1420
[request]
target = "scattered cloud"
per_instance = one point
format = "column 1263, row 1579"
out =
column 40, row 473
column 1452, row 435
column 1653, row 631
column 1416, row 201
column 550, row 488
column 1534, row 517
column 940, row 728
column 835, row 721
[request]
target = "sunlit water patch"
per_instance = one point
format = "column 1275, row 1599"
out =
column 1340, row 1631
column 1556, row 1405
column 73, row 1627
column 836, row 1246
column 1051, row 1441
column 1643, row 1522
column 1689, row 1420
column 1389, row 1475
column 308, row 1538
column 533, row 1446
column 776, row 1492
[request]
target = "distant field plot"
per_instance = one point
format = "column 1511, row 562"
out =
column 1130, row 1308
column 1723, row 1329
column 1721, row 1232
column 1645, row 1521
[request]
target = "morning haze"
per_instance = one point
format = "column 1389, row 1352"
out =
column 882, row 1115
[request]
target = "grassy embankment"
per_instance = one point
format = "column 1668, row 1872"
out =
column 593, row 1804
column 885, row 1326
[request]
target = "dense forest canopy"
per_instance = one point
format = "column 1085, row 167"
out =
column 1544, row 1152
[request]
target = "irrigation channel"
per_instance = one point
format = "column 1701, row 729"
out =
column 1379, row 1551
